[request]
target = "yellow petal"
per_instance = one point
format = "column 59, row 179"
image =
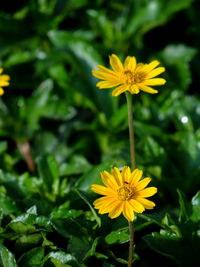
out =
column 130, row 64
column 147, row 89
column 109, row 180
column 119, row 90
column 137, row 207
column 116, row 211
column 126, row 62
column 142, row 184
column 152, row 65
column 155, row 81
column 136, row 175
column 116, row 63
column 100, row 202
column 1, row 91
column 102, row 75
column 155, row 72
column 4, row 77
column 146, row 203
column 1, row 70
column 109, row 206
column 4, row 83
column 128, row 211
column 117, row 175
column 100, row 189
column 134, row 89
column 106, row 70
column 147, row 192
column 107, row 84
column 126, row 174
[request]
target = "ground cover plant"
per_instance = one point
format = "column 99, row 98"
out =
column 58, row 131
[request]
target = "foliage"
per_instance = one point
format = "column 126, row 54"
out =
column 75, row 131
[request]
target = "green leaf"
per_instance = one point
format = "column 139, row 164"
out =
column 32, row 257
column 92, row 250
column 6, row 257
column 77, row 165
column 63, row 212
column 178, row 249
column 178, row 58
column 184, row 206
column 92, row 176
column 195, row 217
column 87, row 200
column 118, row 237
column 69, row 227
column 60, row 259
column 84, row 58
column 79, row 248
column 48, row 170
column 26, row 242
column 7, row 205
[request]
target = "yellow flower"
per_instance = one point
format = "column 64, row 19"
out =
column 123, row 193
column 3, row 81
column 131, row 77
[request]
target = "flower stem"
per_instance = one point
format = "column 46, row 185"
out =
column 131, row 132
column 131, row 234
column 133, row 166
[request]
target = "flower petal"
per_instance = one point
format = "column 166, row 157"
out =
column 119, row 90
column 134, row 89
column 152, row 65
column 155, row 81
column 116, row 63
column 117, row 175
column 147, row 88
column 142, row 184
column 5, row 77
column 137, row 207
column 1, row 91
column 106, row 70
column 103, row 76
column 146, row 203
column 155, row 72
column 109, row 206
column 128, row 211
column 107, row 84
column 101, row 202
column 136, row 175
column 117, row 210
column 109, row 180
column 4, row 83
column 147, row 192
column 130, row 64
column 126, row 174
column 102, row 190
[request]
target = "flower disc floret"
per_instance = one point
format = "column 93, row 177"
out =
column 130, row 76
column 124, row 192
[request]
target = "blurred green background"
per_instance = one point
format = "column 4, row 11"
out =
column 58, row 131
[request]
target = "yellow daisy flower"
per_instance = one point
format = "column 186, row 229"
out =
column 123, row 193
column 3, row 81
column 130, row 77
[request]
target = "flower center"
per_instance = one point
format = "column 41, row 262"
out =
column 139, row 76
column 124, row 193
column 129, row 77
column 133, row 77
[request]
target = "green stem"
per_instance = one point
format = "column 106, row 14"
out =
column 131, row 243
column 133, row 166
column 131, row 131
